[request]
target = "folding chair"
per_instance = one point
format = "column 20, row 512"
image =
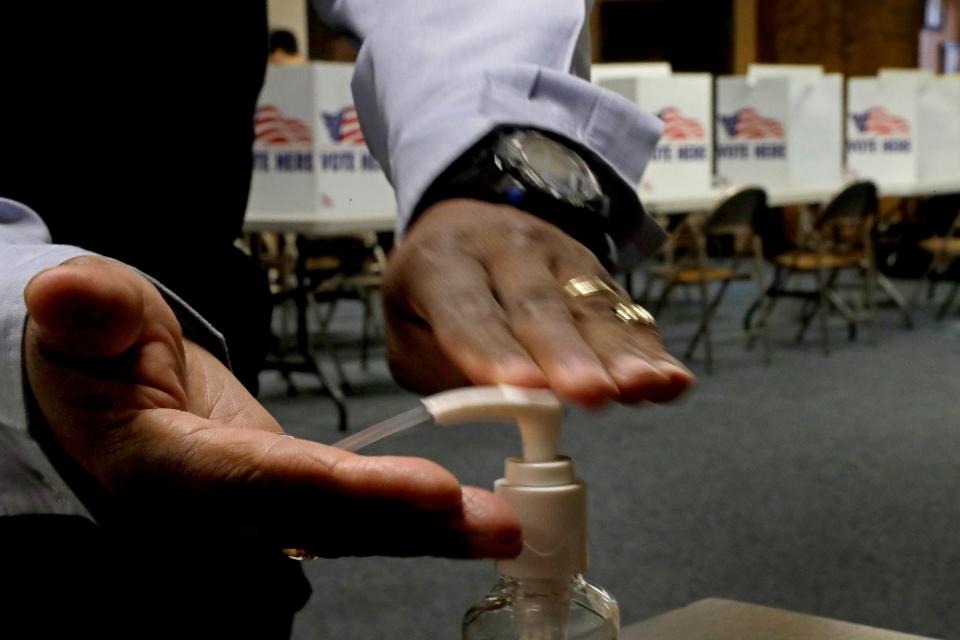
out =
column 733, row 218
column 332, row 270
column 836, row 241
column 945, row 252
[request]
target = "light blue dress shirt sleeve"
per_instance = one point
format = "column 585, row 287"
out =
column 29, row 483
column 25, row 251
column 435, row 76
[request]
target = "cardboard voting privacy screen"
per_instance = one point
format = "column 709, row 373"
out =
column 781, row 128
column 805, row 72
column 603, row 71
column 815, row 133
column 913, row 75
column 815, row 129
column 882, row 129
column 939, row 129
column 752, row 120
column 309, row 153
column 682, row 161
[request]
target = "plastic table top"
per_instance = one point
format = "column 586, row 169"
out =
column 717, row 619
column 349, row 223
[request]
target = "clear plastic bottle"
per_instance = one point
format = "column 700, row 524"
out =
column 533, row 609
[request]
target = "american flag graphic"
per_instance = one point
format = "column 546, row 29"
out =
column 679, row 127
column 747, row 123
column 878, row 121
column 272, row 127
column 344, row 126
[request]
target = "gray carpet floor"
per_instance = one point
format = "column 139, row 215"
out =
column 828, row 485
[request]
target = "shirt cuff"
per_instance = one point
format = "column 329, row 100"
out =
column 25, row 261
column 620, row 135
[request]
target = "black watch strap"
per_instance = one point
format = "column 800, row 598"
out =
column 475, row 175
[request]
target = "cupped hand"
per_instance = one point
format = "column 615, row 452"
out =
column 169, row 434
column 475, row 294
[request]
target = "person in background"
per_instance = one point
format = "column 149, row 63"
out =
column 145, row 491
column 284, row 49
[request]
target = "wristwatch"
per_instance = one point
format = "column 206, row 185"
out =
column 537, row 173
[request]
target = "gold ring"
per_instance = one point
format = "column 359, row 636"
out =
column 624, row 308
column 633, row 312
column 588, row 286
column 298, row 554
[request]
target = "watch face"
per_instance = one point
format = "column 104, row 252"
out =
column 550, row 166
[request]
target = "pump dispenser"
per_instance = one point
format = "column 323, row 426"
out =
column 541, row 594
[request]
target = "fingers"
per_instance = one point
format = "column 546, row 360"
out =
column 635, row 358
column 483, row 526
column 100, row 343
column 88, row 307
column 631, row 352
column 431, row 370
column 467, row 322
column 588, row 353
column 486, row 283
column 303, row 494
column 541, row 320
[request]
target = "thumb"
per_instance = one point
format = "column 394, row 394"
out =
column 87, row 307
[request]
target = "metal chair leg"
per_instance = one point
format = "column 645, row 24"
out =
column 945, row 307
column 894, row 294
column 704, row 325
column 628, row 283
column 705, row 315
column 668, row 287
column 844, row 310
column 765, row 307
column 647, row 290
column 367, row 321
column 310, row 365
column 328, row 346
column 771, row 295
column 871, row 277
column 824, row 311
column 808, row 313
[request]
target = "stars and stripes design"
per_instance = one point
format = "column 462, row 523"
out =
column 271, row 126
column 679, row 127
column 878, row 121
column 748, row 123
column 344, row 126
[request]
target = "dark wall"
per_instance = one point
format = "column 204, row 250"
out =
column 855, row 37
column 693, row 35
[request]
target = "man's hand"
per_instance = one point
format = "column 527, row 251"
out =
column 171, row 436
column 474, row 294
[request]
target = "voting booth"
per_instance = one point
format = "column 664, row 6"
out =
column 938, row 103
column 780, row 127
column 904, row 126
column 309, row 153
column 683, row 159
column 602, row 72
column 882, row 131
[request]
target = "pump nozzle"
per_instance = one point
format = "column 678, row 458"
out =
column 536, row 411
column 542, row 487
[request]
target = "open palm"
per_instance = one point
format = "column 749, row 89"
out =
column 168, row 433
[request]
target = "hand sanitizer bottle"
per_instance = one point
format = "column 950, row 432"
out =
column 541, row 594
